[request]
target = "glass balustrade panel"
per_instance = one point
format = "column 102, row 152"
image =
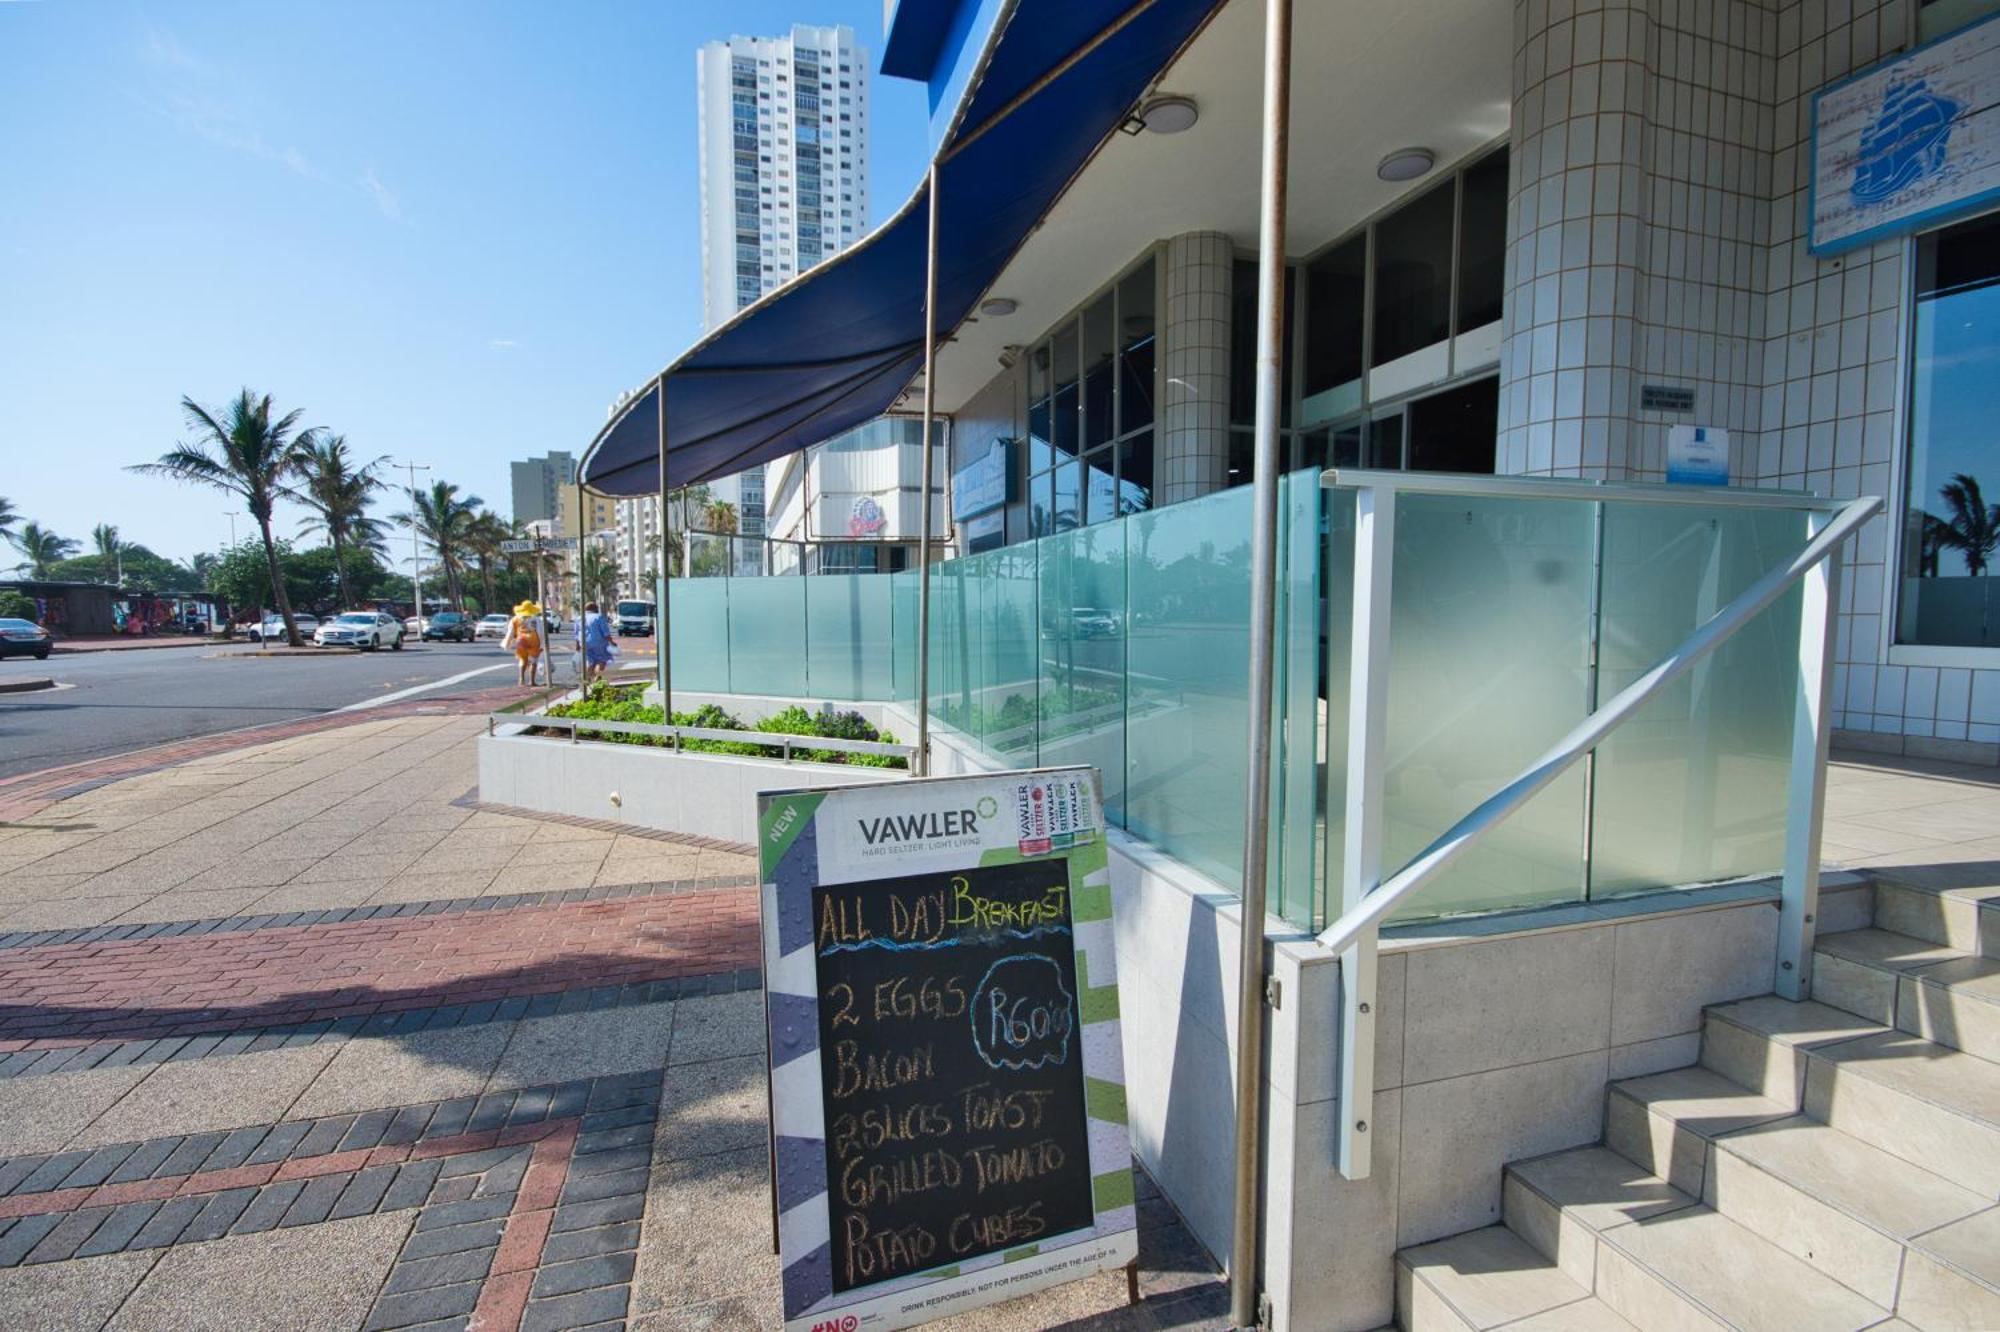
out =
column 849, row 647
column 1187, row 656
column 699, row 628
column 1488, row 667
column 767, row 622
column 1692, row 787
column 1081, row 645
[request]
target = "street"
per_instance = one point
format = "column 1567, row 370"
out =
column 120, row 701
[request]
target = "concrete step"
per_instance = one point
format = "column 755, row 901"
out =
column 1952, row 1275
column 1666, row 1122
column 1858, row 970
column 1831, row 1200
column 1661, row 1259
column 1764, row 1043
column 1929, row 1104
column 1966, row 918
column 1955, row 1003
column 1492, row 1278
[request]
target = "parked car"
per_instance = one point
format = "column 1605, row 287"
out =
column 365, row 630
column 448, row 626
column 24, row 638
column 274, row 627
column 490, row 627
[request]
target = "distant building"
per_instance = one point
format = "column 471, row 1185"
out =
column 600, row 517
column 535, row 484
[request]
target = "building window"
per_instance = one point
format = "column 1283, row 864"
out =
column 1950, row 567
column 1090, row 409
column 1336, row 296
column 1412, row 302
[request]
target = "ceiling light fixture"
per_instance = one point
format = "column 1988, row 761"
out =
column 1406, row 164
column 997, row 306
column 1169, row 115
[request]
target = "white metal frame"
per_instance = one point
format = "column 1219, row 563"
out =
column 1367, row 897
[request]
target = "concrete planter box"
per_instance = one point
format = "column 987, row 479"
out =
column 702, row 795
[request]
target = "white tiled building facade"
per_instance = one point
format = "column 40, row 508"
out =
column 1658, row 216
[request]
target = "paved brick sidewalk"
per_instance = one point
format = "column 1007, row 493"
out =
column 189, row 986
column 294, row 1035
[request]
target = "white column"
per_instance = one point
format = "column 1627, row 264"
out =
column 1193, row 454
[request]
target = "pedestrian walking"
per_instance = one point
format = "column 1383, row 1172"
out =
column 593, row 635
column 524, row 636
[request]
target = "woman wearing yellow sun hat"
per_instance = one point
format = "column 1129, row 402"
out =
column 524, row 635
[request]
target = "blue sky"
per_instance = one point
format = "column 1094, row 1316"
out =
column 452, row 231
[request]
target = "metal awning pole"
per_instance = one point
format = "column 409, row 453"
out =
column 663, row 624
column 921, row 760
column 1243, row 1301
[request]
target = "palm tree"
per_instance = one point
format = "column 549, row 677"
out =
column 8, row 516
column 442, row 518
column 241, row 451
column 41, row 550
column 338, row 494
column 104, row 537
column 483, row 537
column 1973, row 530
column 720, row 515
column 600, row 575
column 204, row 564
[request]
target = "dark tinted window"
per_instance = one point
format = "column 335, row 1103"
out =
column 1482, row 243
column 1454, row 431
column 1335, row 316
column 1413, row 276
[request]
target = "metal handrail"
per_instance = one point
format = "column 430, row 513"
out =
column 1495, row 809
column 781, row 740
column 1368, row 895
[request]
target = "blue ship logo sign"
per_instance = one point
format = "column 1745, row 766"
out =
column 1906, row 144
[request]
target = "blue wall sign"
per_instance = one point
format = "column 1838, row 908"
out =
column 1908, row 143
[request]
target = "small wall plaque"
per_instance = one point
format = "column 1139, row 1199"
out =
column 1665, row 398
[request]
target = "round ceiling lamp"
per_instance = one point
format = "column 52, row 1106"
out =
column 1406, row 164
column 998, row 306
column 1169, row 115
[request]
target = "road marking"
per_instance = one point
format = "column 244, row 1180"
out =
column 424, row 688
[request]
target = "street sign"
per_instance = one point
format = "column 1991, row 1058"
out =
column 947, row 1085
column 539, row 544
column 516, row 547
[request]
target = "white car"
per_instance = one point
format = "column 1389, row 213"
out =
column 492, row 627
column 365, row 630
column 273, row 627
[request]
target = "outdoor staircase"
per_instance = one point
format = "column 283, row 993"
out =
column 1828, row 1164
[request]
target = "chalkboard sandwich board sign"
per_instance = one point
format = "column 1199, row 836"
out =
column 947, row 1088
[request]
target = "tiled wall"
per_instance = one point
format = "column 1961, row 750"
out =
column 1194, row 420
column 1832, row 393
column 1660, row 160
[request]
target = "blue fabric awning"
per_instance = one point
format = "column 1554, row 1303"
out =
column 837, row 345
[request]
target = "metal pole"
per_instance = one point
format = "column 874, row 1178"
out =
column 1243, row 1291
column 1798, row 908
column 663, row 629
column 921, row 760
column 1361, row 830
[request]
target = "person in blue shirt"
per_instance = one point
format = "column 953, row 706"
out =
column 593, row 631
